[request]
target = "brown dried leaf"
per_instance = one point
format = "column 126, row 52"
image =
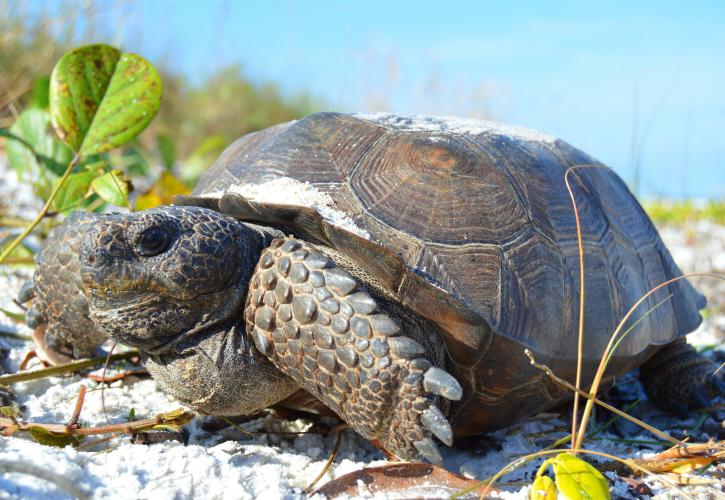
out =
column 423, row 481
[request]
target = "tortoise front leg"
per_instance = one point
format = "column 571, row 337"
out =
column 318, row 325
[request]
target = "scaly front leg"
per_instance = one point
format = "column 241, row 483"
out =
column 318, row 325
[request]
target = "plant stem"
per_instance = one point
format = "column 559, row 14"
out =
column 46, row 207
column 605, row 356
column 176, row 417
column 591, row 398
column 580, row 341
column 64, row 368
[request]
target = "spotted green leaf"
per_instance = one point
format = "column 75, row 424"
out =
column 577, row 480
column 113, row 187
column 543, row 489
column 101, row 99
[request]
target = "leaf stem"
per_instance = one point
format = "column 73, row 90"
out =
column 13, row 245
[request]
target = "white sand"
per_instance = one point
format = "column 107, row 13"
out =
column 450, row 124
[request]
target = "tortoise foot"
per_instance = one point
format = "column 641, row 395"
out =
column 680, row 379
column 416, row 417
column 319, row 325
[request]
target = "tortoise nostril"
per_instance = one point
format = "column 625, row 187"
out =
column 92, row 259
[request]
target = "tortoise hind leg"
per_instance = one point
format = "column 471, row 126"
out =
column 318, row 324
column 678, row 378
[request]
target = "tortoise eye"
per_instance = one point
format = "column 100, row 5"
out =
column 153, row 241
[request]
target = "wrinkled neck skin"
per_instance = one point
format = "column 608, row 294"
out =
column 213, row 368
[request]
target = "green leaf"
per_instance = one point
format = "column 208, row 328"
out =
column 44, row 436
column 101, row 99
column 201, row 158
column 29, row 135
column 74, row 190
column 576, row 479
column 167, row 151
column 113, row 187
column 40, row 95
column 34, row 153
column 543, row 489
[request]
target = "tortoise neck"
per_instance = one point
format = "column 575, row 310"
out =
column 220, row 373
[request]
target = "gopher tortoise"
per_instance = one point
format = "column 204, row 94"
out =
column 391, row 268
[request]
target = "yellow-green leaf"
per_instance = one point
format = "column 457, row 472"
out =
column 44, row 436
column 543, row 489
column 101, row 99
column 162, row 192
column 576, row 479
column 113, row 187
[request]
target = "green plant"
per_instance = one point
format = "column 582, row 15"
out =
column 100, row 99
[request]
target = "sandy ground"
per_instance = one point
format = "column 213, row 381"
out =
column 211, row 463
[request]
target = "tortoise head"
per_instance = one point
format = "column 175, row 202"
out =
column 155, row 276
column 143, row 279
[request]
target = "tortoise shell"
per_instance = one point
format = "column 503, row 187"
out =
column 470, row 224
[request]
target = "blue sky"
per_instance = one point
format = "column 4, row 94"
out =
column 580, row 70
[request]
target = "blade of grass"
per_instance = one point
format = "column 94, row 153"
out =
column 328, row 463
column 631, row 328
column 71, row 367
column 580, row 336
column 592, row 399
column 602, row 364
column 515, row 464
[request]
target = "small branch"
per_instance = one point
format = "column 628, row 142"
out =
column 13, row 245
column 176, row 417
column 64, row 368
column 593, row 399
column 73, row 422
column 107, row 379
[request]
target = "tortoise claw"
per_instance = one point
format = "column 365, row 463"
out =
column 434, row 421
column 26, row 292
column 442, row 383
column 428, row 450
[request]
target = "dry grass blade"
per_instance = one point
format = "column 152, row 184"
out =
column 580, row 337
column 511, row 466
column 605, row 356
column 609, row 407
column 331, row 459
column 65, row 368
